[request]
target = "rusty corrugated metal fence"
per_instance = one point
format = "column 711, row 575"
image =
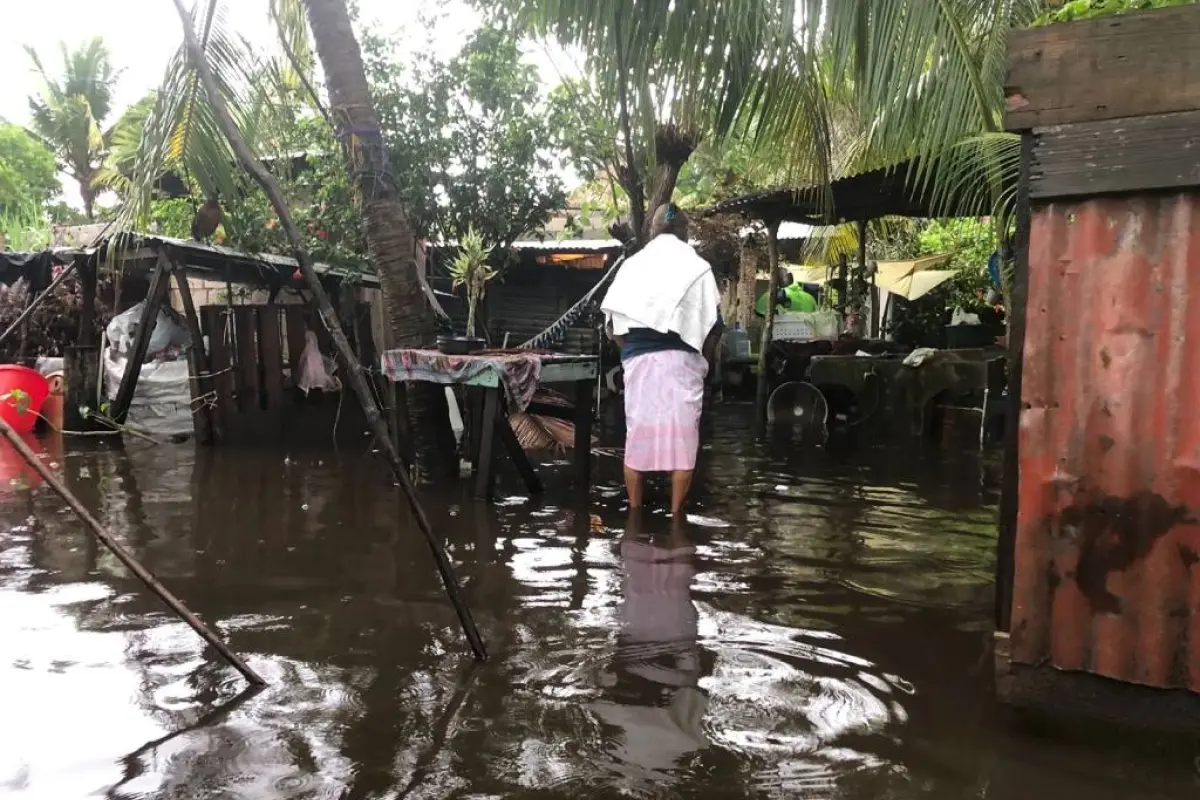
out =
column 1108, row 539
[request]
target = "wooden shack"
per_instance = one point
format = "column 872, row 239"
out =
column 247, row 318
column 1098, row 577
column 541, row 282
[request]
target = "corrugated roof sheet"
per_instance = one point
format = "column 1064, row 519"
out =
column 568, row 245
column 201, row 258
column 1107, row 574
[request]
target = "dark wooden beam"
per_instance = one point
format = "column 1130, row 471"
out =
column 141, row 340
column 763, row 391
column 1130, row 65
column 1006, row 542
column 583, row 435
column 203, row 401
column 1159, row 152
column 872, row 289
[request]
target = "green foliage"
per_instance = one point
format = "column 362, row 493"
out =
column 124, row 140
column 469, row 138
column 1090, row 9
column 28, row 177
column 971, row 241
column 24, row 230
column 175, row 130
column 471, row 271
column 172, row 216
column 63, row 213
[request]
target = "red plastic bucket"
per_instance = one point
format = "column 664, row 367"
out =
column 21, row 415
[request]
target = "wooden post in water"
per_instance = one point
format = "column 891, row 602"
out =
column 126, row 558
column 768, row 331
column 872, row 289
column 141, row 340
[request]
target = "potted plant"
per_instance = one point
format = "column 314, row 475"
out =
column 470, row 270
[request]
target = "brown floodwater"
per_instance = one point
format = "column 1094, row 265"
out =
column 819, row 629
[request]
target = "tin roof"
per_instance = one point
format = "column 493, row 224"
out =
column 896, row 190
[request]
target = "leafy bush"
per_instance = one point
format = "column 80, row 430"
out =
column 1090, row 9
column 54, row 324
column 921, row 323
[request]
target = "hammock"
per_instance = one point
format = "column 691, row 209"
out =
column 554, row 334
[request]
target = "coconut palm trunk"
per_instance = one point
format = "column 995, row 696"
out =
column 390, row 237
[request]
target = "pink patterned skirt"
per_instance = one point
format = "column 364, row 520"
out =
column 664, row 394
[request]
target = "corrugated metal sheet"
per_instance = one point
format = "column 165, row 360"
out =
column 1108, row 535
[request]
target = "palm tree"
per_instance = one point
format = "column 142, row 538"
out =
column 391, row 238
column 71, row 107
column 894, row 79
column 678, row 73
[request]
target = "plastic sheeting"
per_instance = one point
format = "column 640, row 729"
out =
column 162, row 398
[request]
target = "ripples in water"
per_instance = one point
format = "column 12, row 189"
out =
column 815, row 630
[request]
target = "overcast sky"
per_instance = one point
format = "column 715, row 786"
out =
column 143, row 34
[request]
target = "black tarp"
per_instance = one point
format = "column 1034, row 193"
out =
column 35, row 267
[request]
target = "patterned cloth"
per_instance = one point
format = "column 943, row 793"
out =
column 519, row 373
column 664, row 394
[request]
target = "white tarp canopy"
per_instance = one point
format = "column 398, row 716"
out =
column 913, row 279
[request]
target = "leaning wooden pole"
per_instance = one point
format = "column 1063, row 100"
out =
column 768, row 331
column 354, row 370
column 126, row 558
column 37, row 301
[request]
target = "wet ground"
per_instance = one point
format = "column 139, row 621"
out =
column 819, row 630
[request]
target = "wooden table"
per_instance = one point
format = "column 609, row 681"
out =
column 490, row 417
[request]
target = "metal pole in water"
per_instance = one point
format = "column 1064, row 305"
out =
column 126, row 558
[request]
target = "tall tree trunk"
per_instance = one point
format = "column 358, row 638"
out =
column 88, row 195
column 672, row 149
column 389, row 235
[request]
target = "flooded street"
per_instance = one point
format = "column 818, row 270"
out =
column 820, row 629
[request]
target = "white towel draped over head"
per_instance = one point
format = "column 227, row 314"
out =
column 666, row 287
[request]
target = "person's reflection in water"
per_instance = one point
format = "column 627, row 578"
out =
column 651, row 688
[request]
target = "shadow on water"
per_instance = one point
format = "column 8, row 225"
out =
column 818, row 629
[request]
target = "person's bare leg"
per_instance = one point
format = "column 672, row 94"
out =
column 634, row 484
column 681, row 482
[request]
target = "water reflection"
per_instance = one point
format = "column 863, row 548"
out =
column 818, row 629
column 651, row 688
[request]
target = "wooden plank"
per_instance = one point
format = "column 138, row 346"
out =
column 270, row 347
column 197, row 358
column 508, row 438
column 1129, row 65
column 246, row 329
column 1010, row 475
column 1123, row 155
column 295, row 327
column 141, row 340
column 583, row 434
column 485, row 463
column 213, row 321
column 367, row 354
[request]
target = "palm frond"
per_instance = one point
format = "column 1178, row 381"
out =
column 926, row 80
column 180, row 133
column 693, row 63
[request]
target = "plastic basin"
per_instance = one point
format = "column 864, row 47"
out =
column 21, row 417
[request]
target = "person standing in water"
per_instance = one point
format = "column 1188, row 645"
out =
column 790, row 296
column 664, row 312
